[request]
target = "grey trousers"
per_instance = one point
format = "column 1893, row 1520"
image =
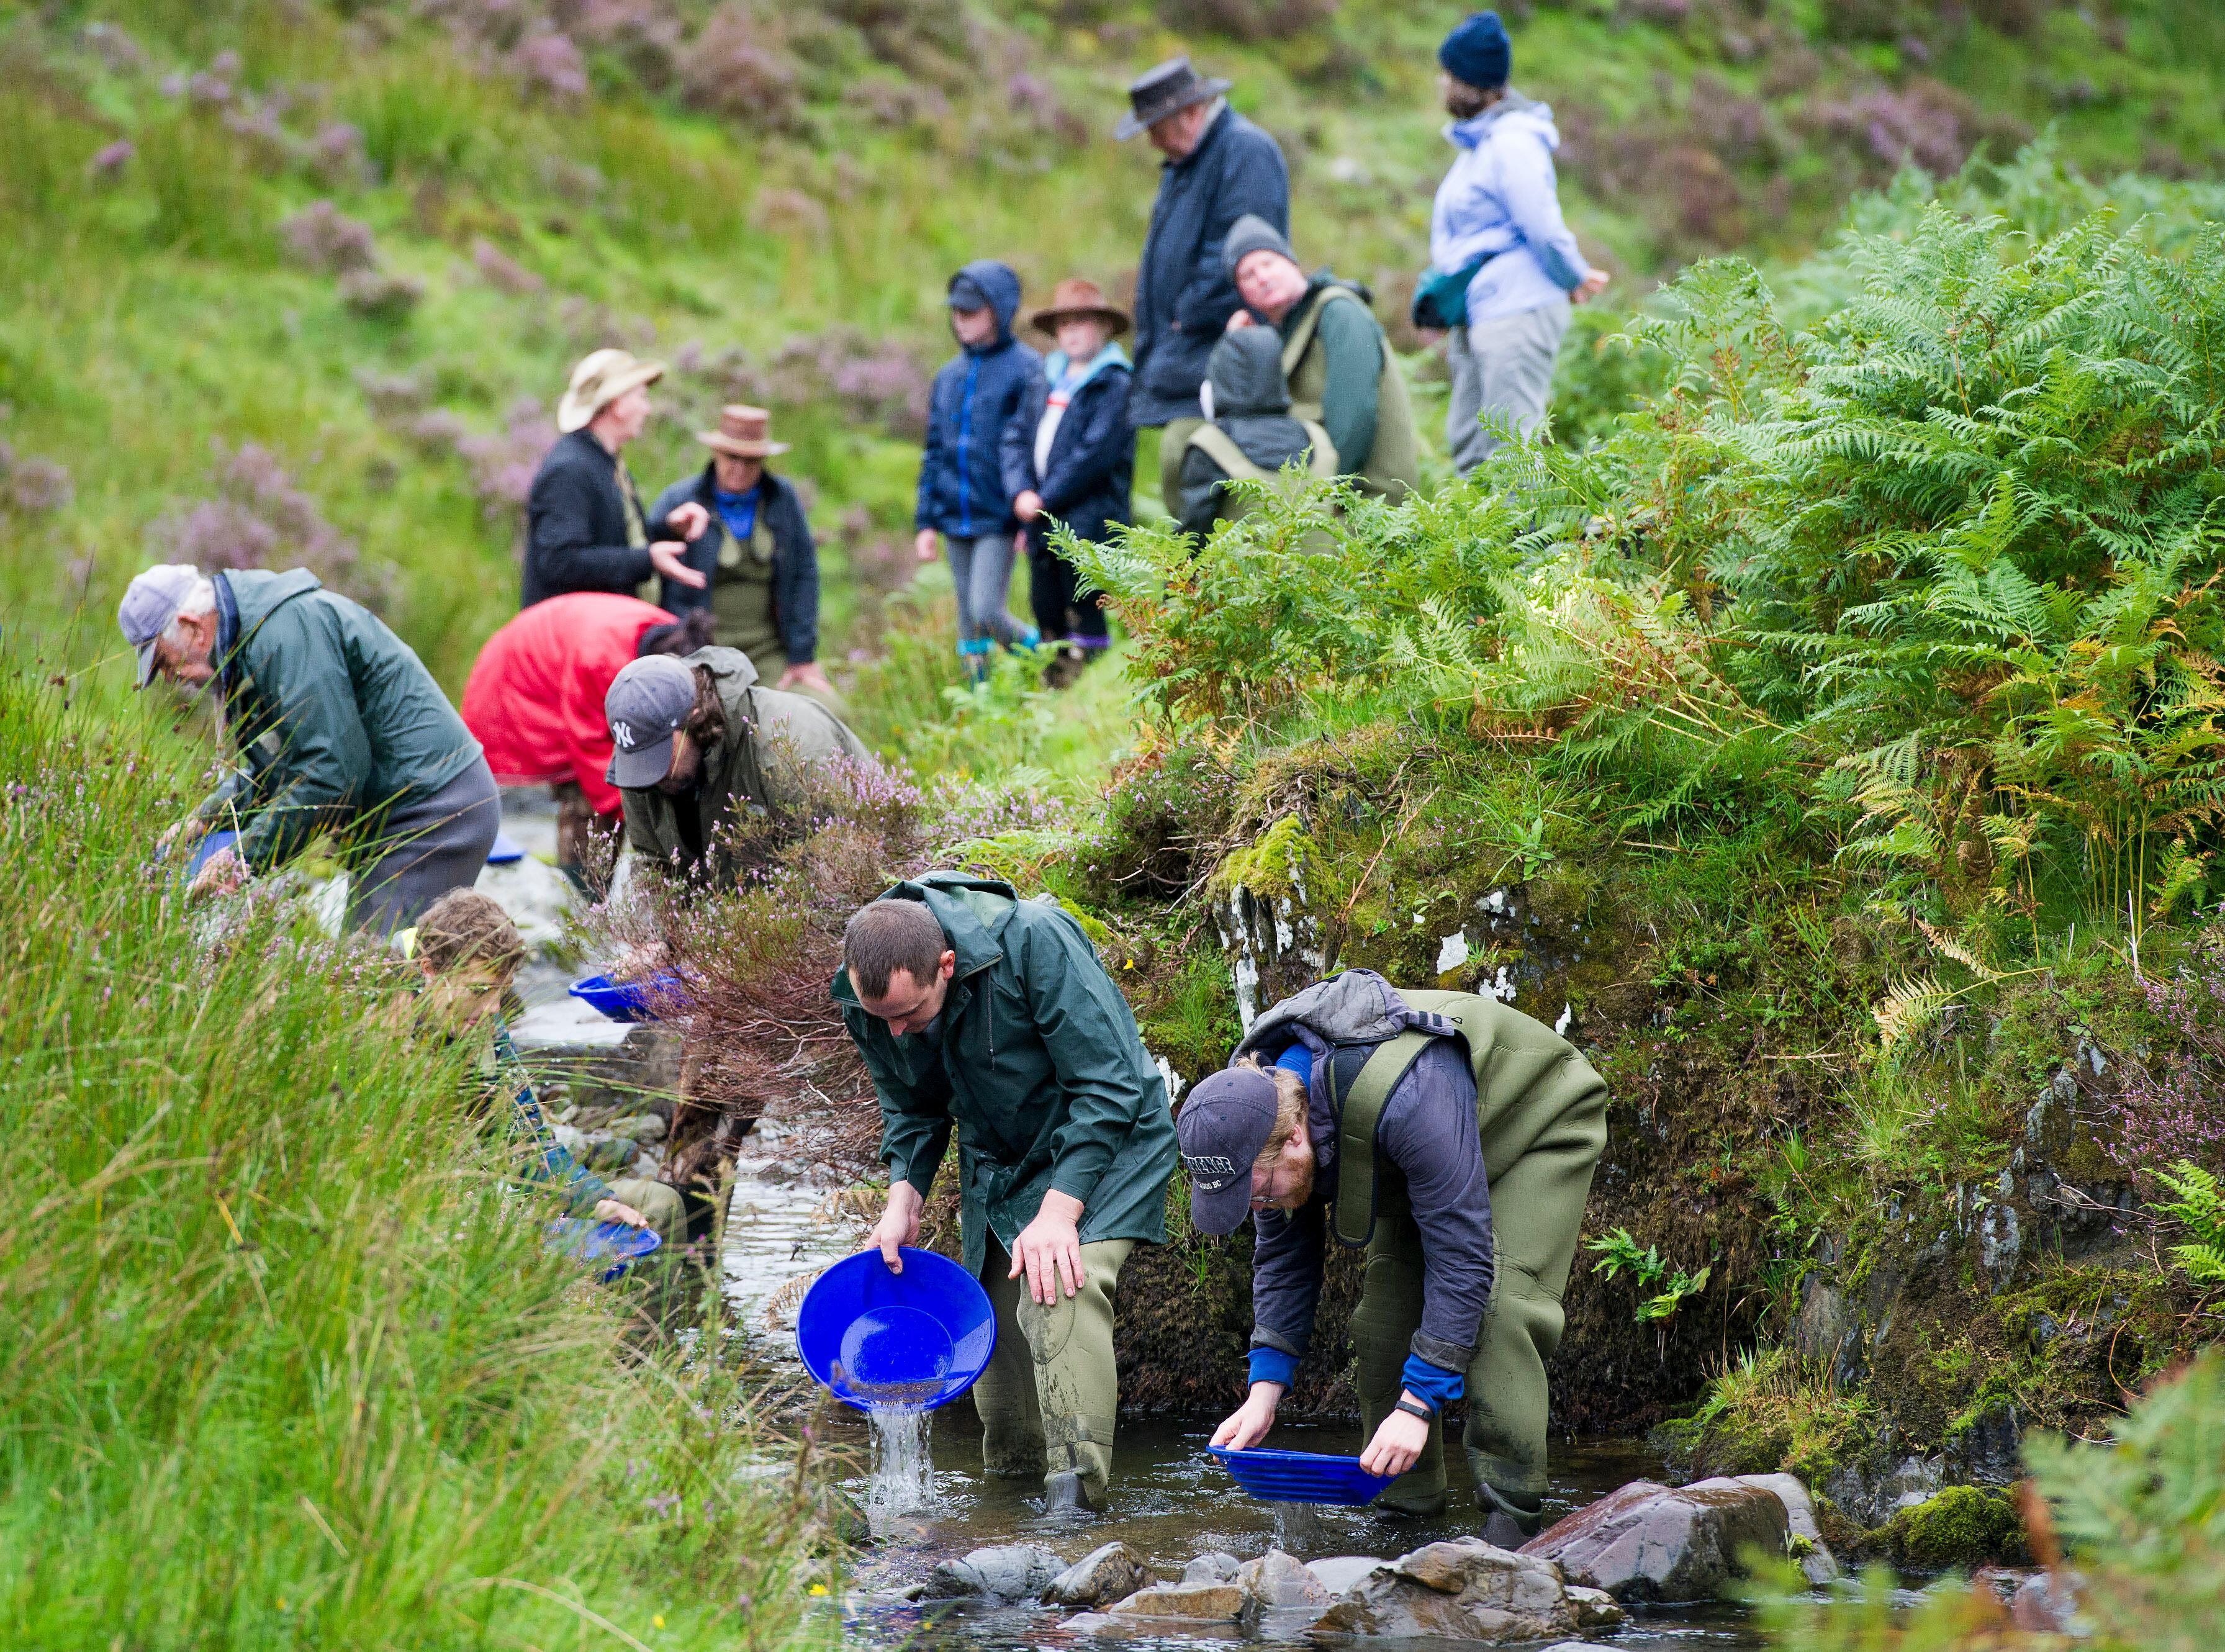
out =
column 982, row 570
column 1504, row 366
column 424, row 850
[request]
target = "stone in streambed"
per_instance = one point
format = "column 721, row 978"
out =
column 1278, row 1581
column 1195, row 1602
column 1465, row 1590
column 1341, row 1571
column 1108, row 1574
column 1648, row 1543
column 1213, row 1566
column 1009, row 1572
column 1805, row 1543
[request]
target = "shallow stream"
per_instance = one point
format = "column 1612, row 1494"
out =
column 1171, row 1502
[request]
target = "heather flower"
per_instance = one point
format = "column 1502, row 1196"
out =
column 258, row 518
column 37, row 486
column 375, row 292
column 550, row 64
column 738, row 68
column 337, row 156
column 501, row 271
column 109, row 160
column 118, row 52
column 319, row 237
column 503, row 463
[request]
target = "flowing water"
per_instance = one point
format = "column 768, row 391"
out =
column 921, row 1485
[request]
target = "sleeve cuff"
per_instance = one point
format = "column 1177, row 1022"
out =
column 1274, row 1366
column 1432, row 1384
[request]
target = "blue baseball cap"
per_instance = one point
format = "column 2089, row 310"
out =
column 1223, row 1127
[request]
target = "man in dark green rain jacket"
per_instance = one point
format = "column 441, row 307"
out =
column 338, row 726
column 974, row 1007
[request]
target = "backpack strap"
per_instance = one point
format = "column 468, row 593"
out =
column 1358, row 1113
column 1221, row 447
column 1321, row 458
column 1302, row 339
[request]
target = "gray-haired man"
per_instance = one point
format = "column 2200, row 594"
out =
column 339, row 727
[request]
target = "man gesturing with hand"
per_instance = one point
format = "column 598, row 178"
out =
column 973, row 1008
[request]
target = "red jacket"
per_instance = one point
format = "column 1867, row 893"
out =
column 534, row 699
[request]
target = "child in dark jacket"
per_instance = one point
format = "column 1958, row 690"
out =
column 961, row 486
column 1249, row 435
column 1068, row 456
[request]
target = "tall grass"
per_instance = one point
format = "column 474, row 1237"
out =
column 282, row 1363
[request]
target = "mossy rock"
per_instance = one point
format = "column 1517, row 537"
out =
column 1963, row 1527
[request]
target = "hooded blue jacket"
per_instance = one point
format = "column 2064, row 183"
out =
column 961, row 484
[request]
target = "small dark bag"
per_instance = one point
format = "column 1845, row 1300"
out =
column 1440, row 297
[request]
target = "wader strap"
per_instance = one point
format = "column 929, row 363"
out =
column 1302, row 339
column 1358, row 1113
column 1221, row 447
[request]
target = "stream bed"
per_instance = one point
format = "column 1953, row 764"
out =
column 1171, row 1500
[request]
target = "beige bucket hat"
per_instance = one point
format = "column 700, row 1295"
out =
column 600, row 379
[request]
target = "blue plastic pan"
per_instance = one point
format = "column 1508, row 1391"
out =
column 205, row 850
column 1302, row 1476
column 615, row 1243
column 507, row 851
column 917, row 1340
column 630, row 1000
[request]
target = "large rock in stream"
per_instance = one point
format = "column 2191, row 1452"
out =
column 1649, row 1542
column 1008, row 1571
column 1467, row 1589
column 1111, row 1572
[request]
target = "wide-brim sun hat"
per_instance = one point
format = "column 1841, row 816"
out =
column 601, row 378
column 1165, row 89
column 1076, row 296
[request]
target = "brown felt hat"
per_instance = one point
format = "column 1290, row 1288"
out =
column 1074, row 296
column 743, row 433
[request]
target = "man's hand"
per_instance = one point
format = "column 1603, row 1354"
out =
column 1588, row 288
column 690, row 521
column 1050, row 1249
column 1247, row 1425
column 806, row 675
column 1241, row 319
column 220, row 874
column 612, row 1210
column 184, row 835
column 666, row 557
column 924, row 545
column 899, row 1223
column 1397, row 1443
column 1029, row 505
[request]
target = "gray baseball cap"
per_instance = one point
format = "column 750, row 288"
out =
column 150, row 603
column 647, row 703
column 1222, row 1128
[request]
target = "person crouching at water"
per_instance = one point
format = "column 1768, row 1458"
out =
column 974, row 1007
column 469, row 952
column 338, row 728
column 1454, row 1139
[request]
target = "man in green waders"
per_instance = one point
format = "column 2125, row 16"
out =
column 973, row 1007
column 1454, row 1139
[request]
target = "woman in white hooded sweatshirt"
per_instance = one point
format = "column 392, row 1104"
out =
column 1497, row 223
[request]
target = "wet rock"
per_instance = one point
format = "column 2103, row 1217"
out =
column 641, row 1127
column 1465, row 1590
column 1278, row 1580
column 1111, row 1572
column 1214, row 1566
column 2048, row 1602
column 1962, row 1527
column 1009, row 1572
column 1341, row 1571
column 1595, row 1608
column 1805, row 1541
column 1195, row 1602
column 1648, row 1543
column 837, row 1522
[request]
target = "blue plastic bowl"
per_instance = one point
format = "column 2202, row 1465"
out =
column 917, row 1340
column 507, row 851
column 630, row 1000
column 206, row 851
column 615, row 1243
column 1302, row 1476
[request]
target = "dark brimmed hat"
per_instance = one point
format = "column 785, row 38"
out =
column 1223, row 1127
column 1074, row 296
column 1171, row 88
column 743, row 433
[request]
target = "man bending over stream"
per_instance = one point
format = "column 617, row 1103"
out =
column 970, row 1005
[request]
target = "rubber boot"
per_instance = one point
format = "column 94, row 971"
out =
column 1065, row 1494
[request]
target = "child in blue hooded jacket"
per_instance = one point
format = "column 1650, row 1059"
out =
column 962, row 497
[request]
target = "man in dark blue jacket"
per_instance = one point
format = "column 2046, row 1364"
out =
column 1070, row 457
column 962, row 483
column 1218, row 166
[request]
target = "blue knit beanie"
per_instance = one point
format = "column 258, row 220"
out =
column 1478, row 52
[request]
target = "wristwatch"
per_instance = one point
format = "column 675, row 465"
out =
column 1415, row 1408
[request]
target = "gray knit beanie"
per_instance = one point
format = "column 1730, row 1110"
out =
column 1252, row 233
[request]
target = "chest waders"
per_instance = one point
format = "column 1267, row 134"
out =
column 1542, row 1111
column 1392, row 467
column 741, row 600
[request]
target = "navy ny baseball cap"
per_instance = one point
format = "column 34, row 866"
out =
column 647, row 703
column 1223, row 1127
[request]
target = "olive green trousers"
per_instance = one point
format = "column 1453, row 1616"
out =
column 1536, row 1211
column 1048, row 1397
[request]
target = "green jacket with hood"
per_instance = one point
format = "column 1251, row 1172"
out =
column 1036, row 1060
column 758, row 768
column 336, row 719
